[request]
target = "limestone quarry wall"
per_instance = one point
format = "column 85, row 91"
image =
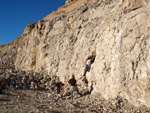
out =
column 117, row 31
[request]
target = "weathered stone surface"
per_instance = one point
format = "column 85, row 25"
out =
column 117, row 31
column 8, row 53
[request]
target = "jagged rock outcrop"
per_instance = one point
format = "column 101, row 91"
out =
column 8, row 53
column 117, row 31
column 68, row 8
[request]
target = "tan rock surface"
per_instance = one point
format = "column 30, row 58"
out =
column 117, row 31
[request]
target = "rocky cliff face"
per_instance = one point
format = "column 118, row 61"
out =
column 116, row 31
column 8, row 53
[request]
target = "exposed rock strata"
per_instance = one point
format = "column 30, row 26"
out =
column 118, row 31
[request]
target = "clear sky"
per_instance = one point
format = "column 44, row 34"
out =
column 15, row 15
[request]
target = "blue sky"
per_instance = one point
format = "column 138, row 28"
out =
column 15, row 15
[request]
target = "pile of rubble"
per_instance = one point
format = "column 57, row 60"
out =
column 17, row 79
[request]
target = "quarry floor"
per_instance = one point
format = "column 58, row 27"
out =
column 44, row 101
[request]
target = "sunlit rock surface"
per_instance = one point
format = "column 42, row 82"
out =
column 117, row 31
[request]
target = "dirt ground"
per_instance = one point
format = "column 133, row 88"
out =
column 45, row 101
